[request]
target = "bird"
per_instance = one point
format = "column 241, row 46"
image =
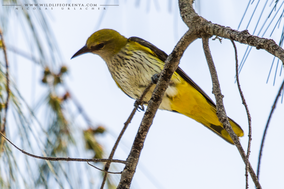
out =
column 133, row 61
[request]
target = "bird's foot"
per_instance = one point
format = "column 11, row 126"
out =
column 138, row 105
column 155, row 78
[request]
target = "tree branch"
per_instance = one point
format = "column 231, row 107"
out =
column 110, row 172
column 205, row 29
column 62, row 158
column 221, row 113
column 201, row 25
column 171, row 65
column 137, row 103
column 247, row 111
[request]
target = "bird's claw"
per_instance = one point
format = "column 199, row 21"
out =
column 141, row 108
column 155, row 78
column 138, row 105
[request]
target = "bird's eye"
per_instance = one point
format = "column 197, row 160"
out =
column 98, row 46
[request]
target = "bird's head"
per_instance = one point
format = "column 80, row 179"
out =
column 105, row 43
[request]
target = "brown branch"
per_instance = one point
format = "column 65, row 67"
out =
column 266, row 128
column 221, row 113
column 247, row 111
column 203, row 26
column 246, row 38
column 137, row 103
column 62, row 158
column 110, row 172
column 3, row 126
column 171, row 65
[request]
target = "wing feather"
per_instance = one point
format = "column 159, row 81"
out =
column 163, row 56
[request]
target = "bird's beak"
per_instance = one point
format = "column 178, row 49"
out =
column 83, row 50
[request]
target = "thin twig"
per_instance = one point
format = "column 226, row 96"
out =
column 110, row 172
column 247, row 110
column 62, row 158
column 266, row 128
column 137, row 103
column 221, row 113
column 7, row 83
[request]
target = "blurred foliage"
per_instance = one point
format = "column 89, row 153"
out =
column 45, row 126
column 91, row 143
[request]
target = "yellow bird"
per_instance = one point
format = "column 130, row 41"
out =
column 132, row 62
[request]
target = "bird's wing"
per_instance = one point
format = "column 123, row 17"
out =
column 160, row 54
column 163, row 56
column 191, row 82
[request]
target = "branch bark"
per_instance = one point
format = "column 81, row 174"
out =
column 62, row 158
column 171, row 65
column 221, row 112
column 201, row 25
column 138, row 102
column 247, row 110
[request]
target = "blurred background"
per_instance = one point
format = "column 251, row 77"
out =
column 73, row 108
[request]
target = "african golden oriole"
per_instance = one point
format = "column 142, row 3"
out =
column 132, row 62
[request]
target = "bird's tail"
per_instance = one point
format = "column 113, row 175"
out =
column 191, row 101
column 209, row 119
column 219, row 130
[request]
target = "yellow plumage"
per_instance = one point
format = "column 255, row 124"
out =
column 132, row 62
column 190, row 102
